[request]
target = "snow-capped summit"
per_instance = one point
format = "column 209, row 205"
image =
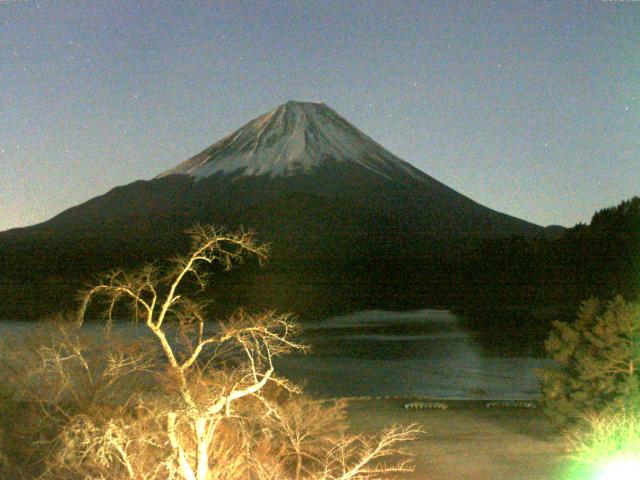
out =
column 291, row 139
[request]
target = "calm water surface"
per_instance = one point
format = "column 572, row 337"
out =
column 424, row 352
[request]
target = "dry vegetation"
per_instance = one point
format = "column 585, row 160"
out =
column 185, row 402
column 470, row 441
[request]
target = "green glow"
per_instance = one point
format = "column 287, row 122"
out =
column 621, row 469
column 608, row 448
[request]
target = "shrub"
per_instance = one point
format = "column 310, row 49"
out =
column 597, row 361
column 605, row 443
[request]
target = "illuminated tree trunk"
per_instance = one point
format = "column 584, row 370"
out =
column 204, row 441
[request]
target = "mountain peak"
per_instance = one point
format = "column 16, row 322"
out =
column 291, row 139
column 300, row 104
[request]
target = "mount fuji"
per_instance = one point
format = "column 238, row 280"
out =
column 328, row 198
column 295, row 138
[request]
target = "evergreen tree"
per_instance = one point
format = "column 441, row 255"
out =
column 597, row 359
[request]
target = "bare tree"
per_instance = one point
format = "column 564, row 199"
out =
column 216, row 410
column 55, row 377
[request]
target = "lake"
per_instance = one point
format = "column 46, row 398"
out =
column 381, row 353
column 425, row 352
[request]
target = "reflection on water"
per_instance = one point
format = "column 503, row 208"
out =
column 424, row 352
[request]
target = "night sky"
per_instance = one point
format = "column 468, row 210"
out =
column 531, row 108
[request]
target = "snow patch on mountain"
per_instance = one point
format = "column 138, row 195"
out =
column 294, row 138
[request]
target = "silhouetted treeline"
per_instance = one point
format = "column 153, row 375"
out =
column 515, row 287
column 510, row 289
